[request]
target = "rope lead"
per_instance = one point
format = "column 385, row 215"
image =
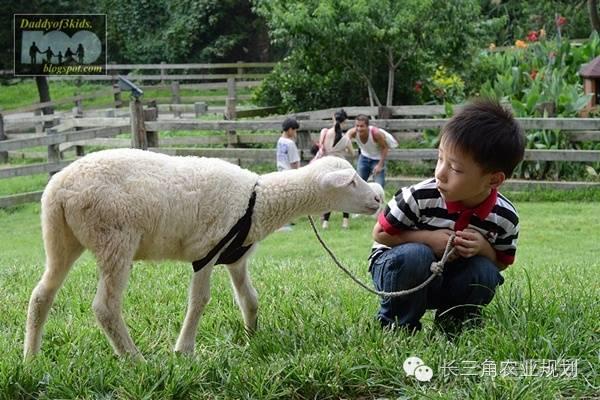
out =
column 437, row 267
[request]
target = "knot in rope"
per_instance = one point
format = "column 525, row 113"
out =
column 437, row 268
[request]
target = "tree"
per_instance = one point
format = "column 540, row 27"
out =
column 593, row 11
column 184, row 31
column 376, row 42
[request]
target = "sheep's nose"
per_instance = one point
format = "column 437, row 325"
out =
column 377, row 199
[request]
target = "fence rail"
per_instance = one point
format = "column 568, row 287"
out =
column 85, row 131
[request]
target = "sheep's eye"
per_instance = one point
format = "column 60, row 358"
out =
column 353, row 183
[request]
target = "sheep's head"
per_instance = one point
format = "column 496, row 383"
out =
column 344, row 189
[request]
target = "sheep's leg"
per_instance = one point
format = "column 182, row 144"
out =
column 114, row 269
column 199, row 296
column 245, row 294
column 62, row 249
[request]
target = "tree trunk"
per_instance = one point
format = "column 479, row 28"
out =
column 391, row 78
column 593, row 11
column 390, row 89
column 372, row 94
column 44, row 92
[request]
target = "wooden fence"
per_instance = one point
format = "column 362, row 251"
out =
column 236, row 134
column 232, row 77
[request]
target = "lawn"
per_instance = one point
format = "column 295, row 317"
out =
column 317, row 337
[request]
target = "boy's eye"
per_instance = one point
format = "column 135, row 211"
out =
column 455, row 170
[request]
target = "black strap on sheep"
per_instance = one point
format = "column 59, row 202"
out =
column 235, row 250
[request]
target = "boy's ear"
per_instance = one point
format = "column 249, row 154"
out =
column 497, row 178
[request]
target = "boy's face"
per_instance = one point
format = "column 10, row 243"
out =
column 291, row 133
column 460, row 178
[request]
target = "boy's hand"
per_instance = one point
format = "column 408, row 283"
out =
column 470, row 242
column 438, row 240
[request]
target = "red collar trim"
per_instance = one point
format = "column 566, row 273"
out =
column 482, row 210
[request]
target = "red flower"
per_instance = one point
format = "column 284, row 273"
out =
column 418, row 86
column 560, row 20
column 533, row 73
column 532, row 36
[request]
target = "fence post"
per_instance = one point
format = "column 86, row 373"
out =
column 151, row 114
column 200, row 108
column 384, row 112
column 39, row 125
column 230, row 113
column 240, row 69
column 116, row 89
column 117, row 95
column 176, row 98
column 53, row 151
column 162, row 73
column 138, row 131
column 78, row 113
column 303, row 139
column 3, row 154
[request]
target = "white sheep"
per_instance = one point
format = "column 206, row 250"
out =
column 125, row 205
column 378, row 189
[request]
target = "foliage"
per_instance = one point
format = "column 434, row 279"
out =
column 521, row 17
column 373, row 43
column 181, row 31
column 541, row 80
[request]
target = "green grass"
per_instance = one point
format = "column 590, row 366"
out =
column 25, row 93
column 317, row 337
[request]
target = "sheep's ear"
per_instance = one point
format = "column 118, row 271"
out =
column 338, row 179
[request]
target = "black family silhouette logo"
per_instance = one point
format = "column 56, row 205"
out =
column 58, row 44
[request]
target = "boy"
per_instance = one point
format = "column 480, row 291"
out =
column 288, row 156
column 479, row 148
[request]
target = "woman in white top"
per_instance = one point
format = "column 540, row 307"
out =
column 333, row 142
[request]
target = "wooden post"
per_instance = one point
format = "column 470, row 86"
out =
column 384, row 112
column 240, row 69
column 200, row 108
column 151, row 114
column 138, row 130
column 116, row 89
column 117, row 95
column 78, row 113
column 162, row 73
column 3, row 154
column 176, row 97
column 53, row 150
column 230, row 113
column 39, row 126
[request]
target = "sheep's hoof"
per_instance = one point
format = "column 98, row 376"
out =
column 184, row 350
column 136, row 357
column 251, row 330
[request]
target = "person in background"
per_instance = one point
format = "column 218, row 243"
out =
column 333, row 142
column 373, row 149
column 288, row 156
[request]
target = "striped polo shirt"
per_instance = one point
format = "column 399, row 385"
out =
column 421, row 207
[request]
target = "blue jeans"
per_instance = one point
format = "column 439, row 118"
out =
column 465, row 286
column 365, row 166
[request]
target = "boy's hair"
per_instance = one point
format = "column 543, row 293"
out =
column 489, row 133
column 289, row 123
